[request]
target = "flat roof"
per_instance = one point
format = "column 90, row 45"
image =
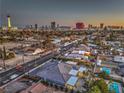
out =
column 119, row 59
column 81, row 69
column 73, row 72
column 72, row 80
column 54, row 71
column 71, row 62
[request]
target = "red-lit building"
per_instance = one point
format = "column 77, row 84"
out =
column 80, row 25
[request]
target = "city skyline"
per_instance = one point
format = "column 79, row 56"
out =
column 64, row 12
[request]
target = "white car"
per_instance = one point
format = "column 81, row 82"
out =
column 13, row 76
column 1, row 68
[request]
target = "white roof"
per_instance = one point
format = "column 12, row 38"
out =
column 119, row 58
column 38, row 50
column 81, row 52
column 73, row 72
column 71, row 62
column 81, row 69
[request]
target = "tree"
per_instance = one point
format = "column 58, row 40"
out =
column 85, row 40
column 0, row 53
column 4, row 53
column 102, row 85
column 103, row 75
column 78, row 92
column 11, row 55
column 95, row 89
column 71, row 91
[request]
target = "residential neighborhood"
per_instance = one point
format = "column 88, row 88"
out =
column 61, row 46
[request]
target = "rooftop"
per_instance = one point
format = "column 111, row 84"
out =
column 81, row 69
column 73, row 72
column 54, row 71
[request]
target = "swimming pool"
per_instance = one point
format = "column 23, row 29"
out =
column 114, row 86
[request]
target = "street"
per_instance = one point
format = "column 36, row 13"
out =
column 5, row 76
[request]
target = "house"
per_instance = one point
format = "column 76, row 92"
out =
column 81, row 70
column 54, row 72
column 119, row 59
column 121, row 69
column 35, row 88
column 33, row 51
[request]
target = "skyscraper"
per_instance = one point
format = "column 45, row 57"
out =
column 9, row 21
column 36, row 26
column 53, row 25
column 79, row 25
column 90, row 26
column 101, row 25
column 0, row 23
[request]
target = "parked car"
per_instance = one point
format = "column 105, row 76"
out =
column 14, row 76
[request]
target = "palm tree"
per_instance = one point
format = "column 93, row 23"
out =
column 4, row 53
column 0, row 53
column 4, row 56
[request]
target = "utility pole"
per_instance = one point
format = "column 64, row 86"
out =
column 35, row 61
column 23, row 61
column 4, row 57
column 4, row 64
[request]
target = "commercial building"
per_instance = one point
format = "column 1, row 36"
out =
column 9, row 21
column 64, row 28
column 36, row 26
column 53, row 25
column 80, row 25
column 60, row 73
column 101, row 25
column 54, row 72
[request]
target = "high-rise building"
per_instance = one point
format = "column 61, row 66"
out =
column 36, row 26
column 46, row 27
column 101, row 25
column 0, row 24
column 31, row 27
column 80, row 25
column 90, row 26
column 9, row 21
column 53, row 25
column 42, row 28
column 57, row 25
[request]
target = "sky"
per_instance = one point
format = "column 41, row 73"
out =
column 64, row 12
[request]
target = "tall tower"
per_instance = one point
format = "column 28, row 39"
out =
column 36, row 26
column 80, row 25
column 101, row 25
column 9, row 21
column 53, row 25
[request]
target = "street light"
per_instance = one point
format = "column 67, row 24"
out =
column 35, row 61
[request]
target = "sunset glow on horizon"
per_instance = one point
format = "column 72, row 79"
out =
column 64, row 12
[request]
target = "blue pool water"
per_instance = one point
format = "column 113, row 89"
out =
column 114, row 86
column 107, row 70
